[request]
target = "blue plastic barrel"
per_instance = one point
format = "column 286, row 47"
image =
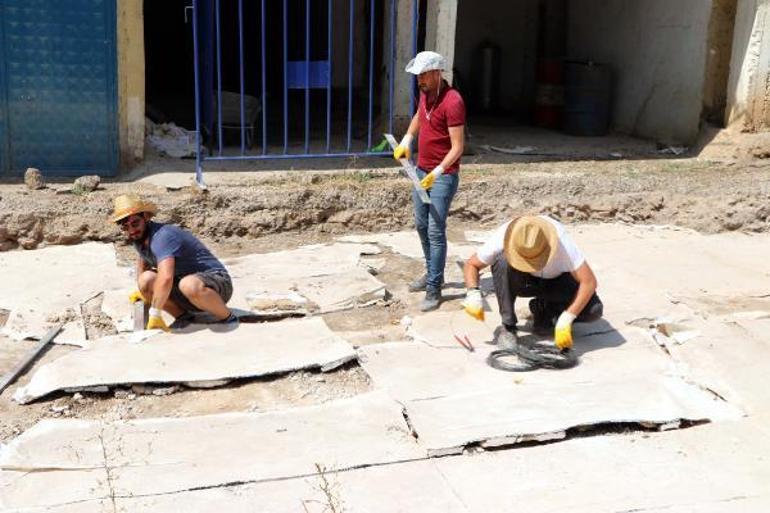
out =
column 587, row 98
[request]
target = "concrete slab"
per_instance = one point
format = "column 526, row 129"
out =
column 406, row 243
column 205, row 355
column 325, row 277
column 520, row 414
column 78, row 272
column 417, row 371
column 56, row 491
column 437, row 329
column 420, row 487
column 710, row 468
column 158, row 456
column 715, row 468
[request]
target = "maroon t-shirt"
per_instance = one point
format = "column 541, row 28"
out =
column 435, row 120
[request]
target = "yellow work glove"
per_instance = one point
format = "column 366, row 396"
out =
column 156, row 322
column 427, row 182
column 563, row 331
column 473, row 304
column 404, row 148
column 136, row 296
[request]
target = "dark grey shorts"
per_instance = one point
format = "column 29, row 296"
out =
column 218, row 281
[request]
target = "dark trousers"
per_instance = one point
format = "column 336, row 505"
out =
column 555, row 294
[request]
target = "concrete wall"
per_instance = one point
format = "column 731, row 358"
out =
column 748, row 104
column 512, row 25
column 658, row 53
column 131, row 81
column 440, row 30
column 720, row 44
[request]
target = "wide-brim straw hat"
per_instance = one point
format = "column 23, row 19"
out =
column 530, row 243
column 129, row 204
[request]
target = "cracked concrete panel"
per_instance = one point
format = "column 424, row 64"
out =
column 518, row 414
column 250, row 350
column 711, row 468
column 324, row 277
column 22, row 490
column 79, row 272
column 155, row 456
column 730, row 359
column 420, row 488
column 416, row 371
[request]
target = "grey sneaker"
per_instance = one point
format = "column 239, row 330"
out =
column 225, row 325
column 505, row 339
column 420, row 284
column 431, row 301
column 182, row 321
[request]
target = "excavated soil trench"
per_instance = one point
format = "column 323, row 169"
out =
column 238, row 213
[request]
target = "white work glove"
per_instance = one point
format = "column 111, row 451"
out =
column 404, row 148
column 563, row 330
column 473, row 304
column 427, row 182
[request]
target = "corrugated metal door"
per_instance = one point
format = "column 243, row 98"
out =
column 58, row 91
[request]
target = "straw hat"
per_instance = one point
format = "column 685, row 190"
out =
column 530, row 243
column 129, row 204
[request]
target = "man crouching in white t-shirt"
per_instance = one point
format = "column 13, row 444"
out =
column 533, row 256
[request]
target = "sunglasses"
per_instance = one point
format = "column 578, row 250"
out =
column 130, row 222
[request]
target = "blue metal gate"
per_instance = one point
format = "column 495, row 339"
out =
column 293, row 78
column 58, row 96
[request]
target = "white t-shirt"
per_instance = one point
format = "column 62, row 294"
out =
column 566, row 259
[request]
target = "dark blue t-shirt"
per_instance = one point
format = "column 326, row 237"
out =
column 167, row 240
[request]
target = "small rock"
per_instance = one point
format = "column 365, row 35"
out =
column 122, row 394
column 141, row 389
column 34, row 179
column 77, row 397
column 59, row 408
column 165, row 390
column 7, row 245
column 86, row 183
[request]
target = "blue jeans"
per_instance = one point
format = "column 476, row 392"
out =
column 430, row 221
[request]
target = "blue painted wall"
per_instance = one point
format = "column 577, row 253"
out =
column 58, row 92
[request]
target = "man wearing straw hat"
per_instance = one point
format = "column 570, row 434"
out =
column 175, row 271
column 440, row 122
column 533, row 256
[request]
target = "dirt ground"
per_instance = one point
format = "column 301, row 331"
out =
column 722, row 186
column 721, row 189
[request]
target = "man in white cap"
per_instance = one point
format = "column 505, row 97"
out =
column 440, row 123
column 533, row 256
column 175, row 271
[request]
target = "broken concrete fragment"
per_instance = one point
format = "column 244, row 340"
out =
column 320, row 278
column 278, row 304
column 33, row 179
column 78, row 272
column 250, row 350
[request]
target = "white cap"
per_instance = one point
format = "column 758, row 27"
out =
column 425, row 61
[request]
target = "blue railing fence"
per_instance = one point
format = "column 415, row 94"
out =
column 294, row 78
